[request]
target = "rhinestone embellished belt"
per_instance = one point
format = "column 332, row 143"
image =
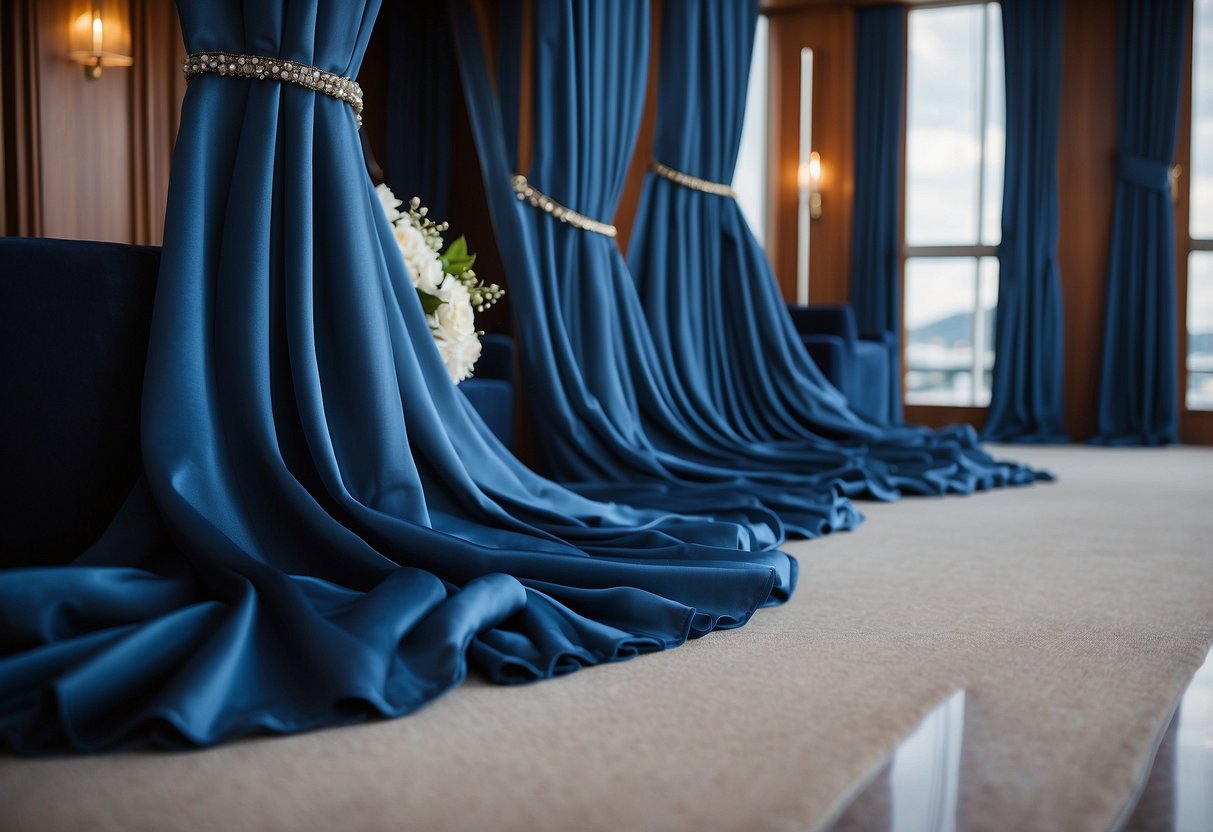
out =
column 276, row 69
column 692, row 182
column 545, row 203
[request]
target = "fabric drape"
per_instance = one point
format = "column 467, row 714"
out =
column 880, row 41
column 420, row 84
column 713, row 306
column 325, row 530
column 1026, row 395
column 613, row 422
column 1138, row 395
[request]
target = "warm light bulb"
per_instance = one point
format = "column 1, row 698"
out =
column 814, row 172
column 98, row 39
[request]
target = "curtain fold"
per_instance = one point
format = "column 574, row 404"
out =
column 1139, row 395
column 721, row 329
column 1026, row 396
column 420, row 121
column 880, row 47
column 325, row 530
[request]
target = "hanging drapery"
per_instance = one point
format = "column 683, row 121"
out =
column 713, row 305
column 325, row 530
column 613, row 422
column 1026, row 397
column 880, row 40
column 420, row 84
column 1138, row 395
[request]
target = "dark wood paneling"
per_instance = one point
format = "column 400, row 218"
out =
column 1086, row 182
column 87, row 159
column 829, row 31
column 86, row 139
column 19, row 97
column 157, row 87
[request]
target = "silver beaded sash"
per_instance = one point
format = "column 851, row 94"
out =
column 276, row 69
column 545, row 203
column 692, row 182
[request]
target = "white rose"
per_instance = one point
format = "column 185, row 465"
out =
column 428, row 274
column 455, row 315
column 459, row 353
column 388, row 200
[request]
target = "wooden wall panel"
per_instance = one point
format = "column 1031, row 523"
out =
column 87, row 159
column 829, row 31
column 1086, row 167
column 86, row 139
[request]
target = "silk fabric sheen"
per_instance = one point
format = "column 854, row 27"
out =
column 326, row 531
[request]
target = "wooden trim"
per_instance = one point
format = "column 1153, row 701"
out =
column 157, row 87
column 1195, row 426
column 938, row 416
column 21, row 125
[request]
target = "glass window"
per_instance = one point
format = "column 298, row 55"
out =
column 1201, row 222
column 1200, row 331
column 949, row 319
column 750, row 175
column 955, row 137
column 1199, row 360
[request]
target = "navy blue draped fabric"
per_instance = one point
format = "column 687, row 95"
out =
column 880, row 41
column 325, row 530
column 746, row 382
column 420, row 85
column 1026, row 398
column 1138, row 394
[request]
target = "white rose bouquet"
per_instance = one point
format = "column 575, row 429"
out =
column 449, row 290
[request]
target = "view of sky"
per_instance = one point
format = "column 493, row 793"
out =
column 951, row 189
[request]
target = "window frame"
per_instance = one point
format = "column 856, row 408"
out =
column 1194, row 425
column 941, row 414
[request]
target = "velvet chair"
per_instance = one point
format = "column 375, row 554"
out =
column 858, row 366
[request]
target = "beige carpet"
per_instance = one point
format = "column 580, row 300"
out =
column 1073, row 614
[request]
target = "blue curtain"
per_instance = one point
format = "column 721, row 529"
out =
column 325, row 530
column 880, row 41
column 1138, row 395
column 720, row 328
column 1026, row 399
column 421, row 81
column 613, row 422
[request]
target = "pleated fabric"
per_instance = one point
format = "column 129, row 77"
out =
column 613, row 421
column 325, row 530
column 1139, row 378
column 1026, row 397
column 880, row 77
column 713, row 305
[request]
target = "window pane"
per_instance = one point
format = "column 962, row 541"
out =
column 750, row 175
column 943, row 139
column 941, row 295
column 1201, row 223
column 987, row 295
column 996, row 133
column 1200, row 331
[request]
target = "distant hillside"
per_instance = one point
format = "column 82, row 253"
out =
column 958, row 328
column 953, row 329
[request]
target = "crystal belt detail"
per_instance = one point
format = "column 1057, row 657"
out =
column 692, row 182
column 550, row 206
column 276, row 69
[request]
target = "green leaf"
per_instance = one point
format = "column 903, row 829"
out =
column 429, row 302
column 457, row 259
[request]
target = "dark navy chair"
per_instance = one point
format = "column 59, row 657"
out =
column 858, row 366
column 74, row 324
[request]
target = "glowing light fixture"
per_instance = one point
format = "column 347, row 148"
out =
column 101, row 36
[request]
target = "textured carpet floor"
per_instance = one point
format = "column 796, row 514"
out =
column 1073, row 614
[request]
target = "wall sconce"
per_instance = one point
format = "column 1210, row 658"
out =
column 808, row 178
column 101, row 36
